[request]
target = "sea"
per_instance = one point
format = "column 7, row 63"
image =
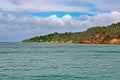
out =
column 59, row 61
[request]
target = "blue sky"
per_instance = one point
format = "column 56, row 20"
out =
column 21, row 19
column 49, row 13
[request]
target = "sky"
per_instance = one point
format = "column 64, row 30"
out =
column 22, row 19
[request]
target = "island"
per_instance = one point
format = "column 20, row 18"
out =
column 109, row 34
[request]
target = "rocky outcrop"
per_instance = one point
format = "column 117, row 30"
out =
column 101, row 39
column 114, row 41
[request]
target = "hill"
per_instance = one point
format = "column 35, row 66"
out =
column 94, row 35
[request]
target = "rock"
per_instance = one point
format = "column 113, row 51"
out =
column 114, row 41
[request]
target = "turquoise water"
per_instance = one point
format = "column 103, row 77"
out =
column 45, row 61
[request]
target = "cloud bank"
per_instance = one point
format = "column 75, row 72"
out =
column 19, row 27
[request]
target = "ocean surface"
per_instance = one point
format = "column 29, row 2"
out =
column 62, row 61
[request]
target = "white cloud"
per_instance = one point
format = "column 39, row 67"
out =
column 39, row 5
column 106, row 5
column 59, row 5
column 19, row 26
column 105, row 18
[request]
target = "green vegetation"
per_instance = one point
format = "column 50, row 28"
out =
column 99, row 34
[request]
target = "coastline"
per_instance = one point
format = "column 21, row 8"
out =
column 91, row 41
column 95, row 35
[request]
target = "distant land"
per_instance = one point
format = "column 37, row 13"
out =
column 95, row 35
